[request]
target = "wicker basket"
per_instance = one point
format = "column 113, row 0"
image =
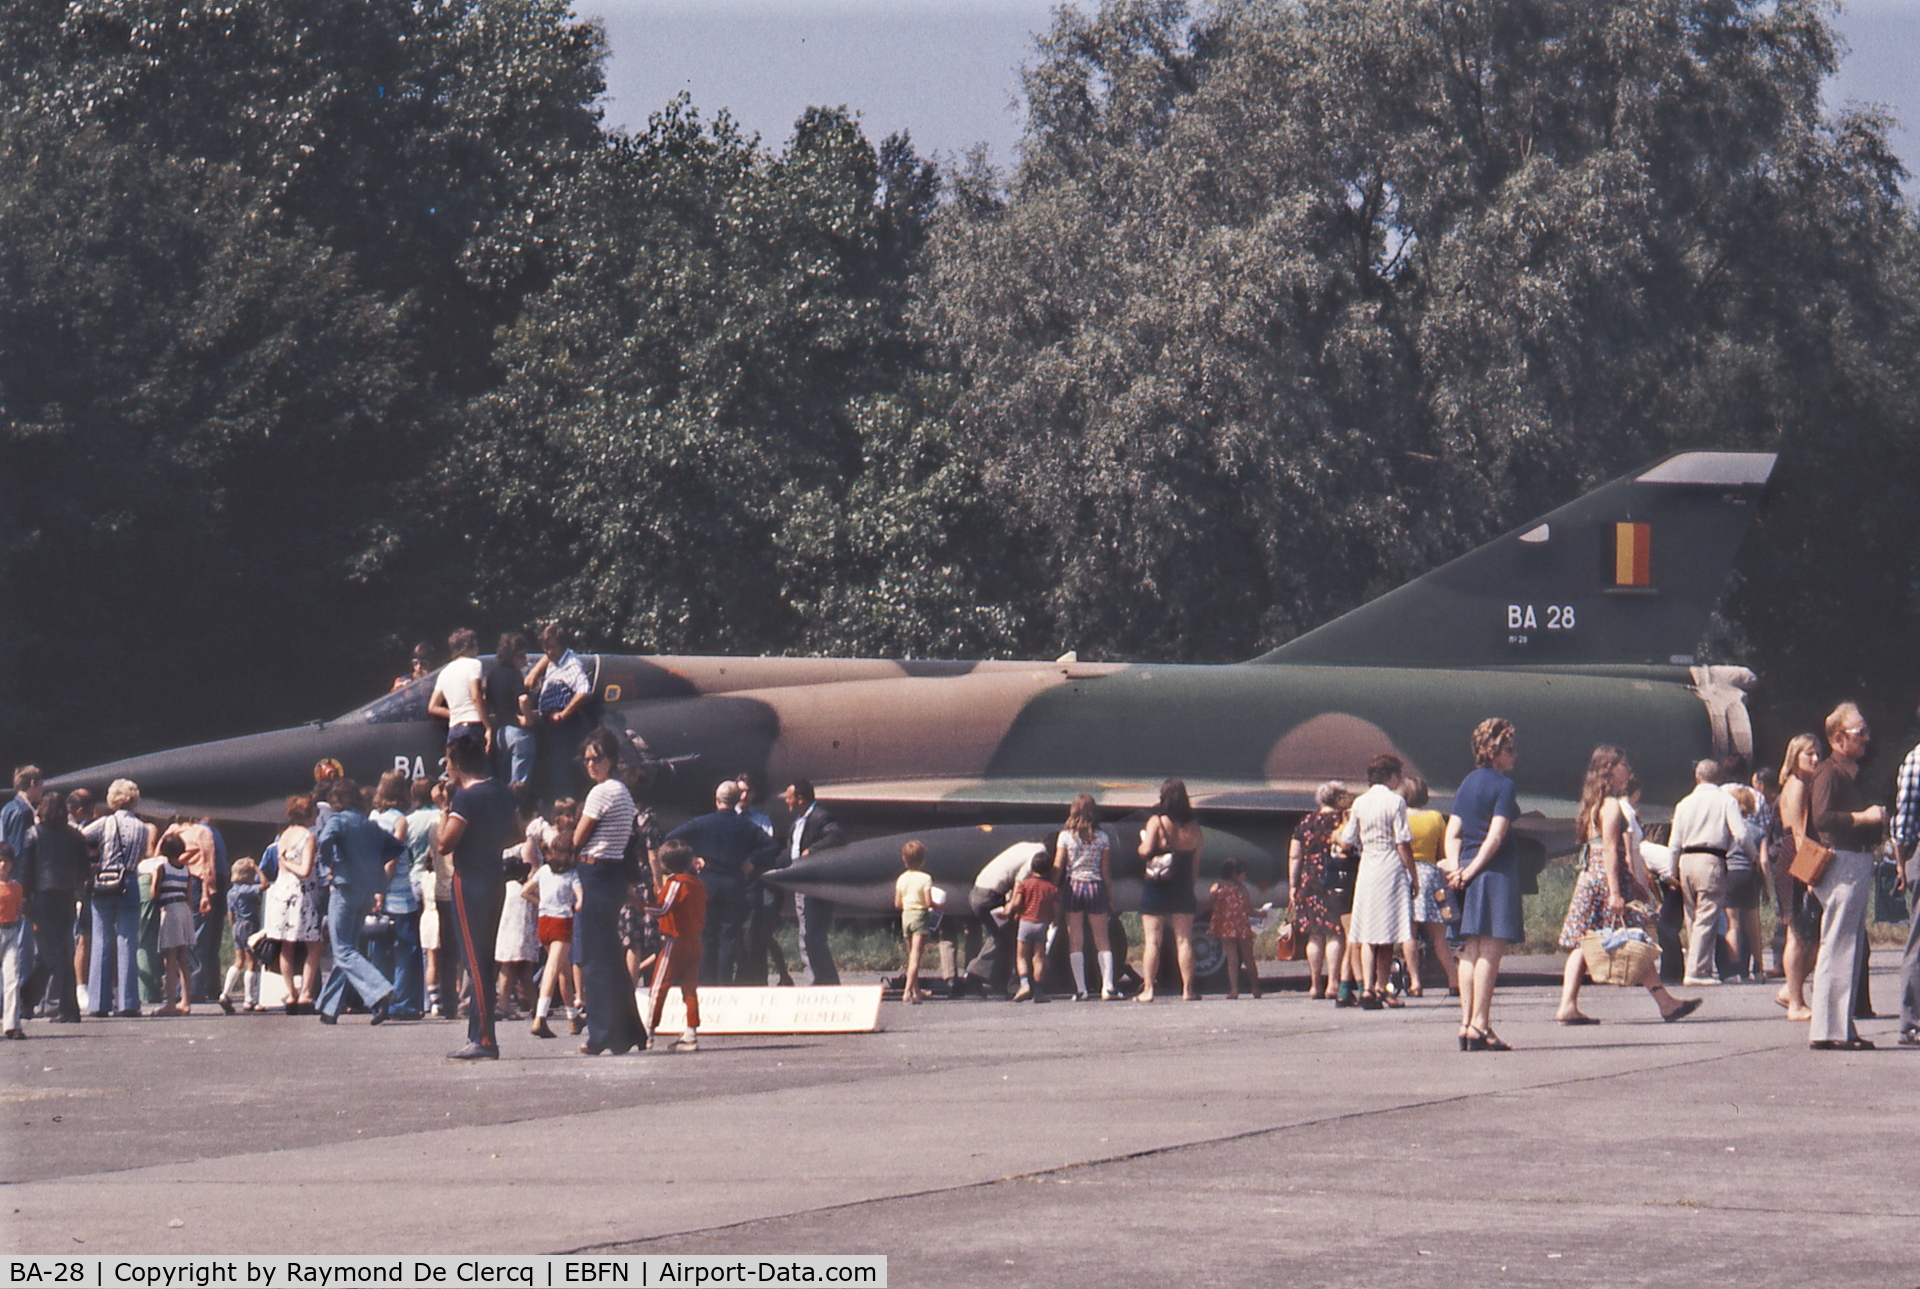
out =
column 1633, row 963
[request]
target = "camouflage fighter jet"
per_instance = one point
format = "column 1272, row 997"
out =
column 1580, row 628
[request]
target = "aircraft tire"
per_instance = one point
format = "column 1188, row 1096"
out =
column 1209, row 957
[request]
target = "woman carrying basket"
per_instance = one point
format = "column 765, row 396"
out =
column 1600, row 894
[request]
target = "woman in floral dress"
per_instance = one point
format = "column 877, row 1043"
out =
column 1601, row 893
column 293, row 905
column 1310, row 906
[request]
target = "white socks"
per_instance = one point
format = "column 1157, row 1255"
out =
column 541, row 1008
column 233, row 985
column 1078, row 961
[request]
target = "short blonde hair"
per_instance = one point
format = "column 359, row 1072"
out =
column 123, row 794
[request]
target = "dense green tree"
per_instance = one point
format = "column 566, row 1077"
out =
column 712, row 433
column 251, row 260
column 1286, row 303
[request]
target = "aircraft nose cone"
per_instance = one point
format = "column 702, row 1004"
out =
column 851, row 875
column 247, row 778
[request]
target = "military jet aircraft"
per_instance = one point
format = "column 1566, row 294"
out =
column 1580, row 628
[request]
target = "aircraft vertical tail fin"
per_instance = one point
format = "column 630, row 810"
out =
column 1628, row 574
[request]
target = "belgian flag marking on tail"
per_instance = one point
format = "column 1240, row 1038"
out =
column 1633, row 554
column 1591, row 558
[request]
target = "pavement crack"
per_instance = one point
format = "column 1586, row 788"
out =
column 1173, row 1148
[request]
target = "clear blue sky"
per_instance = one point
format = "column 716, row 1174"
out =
column 946, row 70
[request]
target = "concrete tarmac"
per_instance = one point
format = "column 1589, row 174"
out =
column 985, row 1143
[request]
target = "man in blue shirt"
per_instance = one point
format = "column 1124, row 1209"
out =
column 356, row 855
column 16, row 817
column 733, row 849
column 16, row 821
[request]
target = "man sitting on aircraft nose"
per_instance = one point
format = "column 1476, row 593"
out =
column 357, row 855
column 732, row 849
column 459, row 696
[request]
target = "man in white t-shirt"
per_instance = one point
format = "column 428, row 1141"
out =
column 459, row 698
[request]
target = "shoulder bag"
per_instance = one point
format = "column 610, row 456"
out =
column 1810, row 860
column 109, row 875
column 1160, row 867
column 1287, row 947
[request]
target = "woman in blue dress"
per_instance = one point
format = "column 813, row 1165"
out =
column 1486, row 870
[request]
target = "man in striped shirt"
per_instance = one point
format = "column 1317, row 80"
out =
column 1906, row 843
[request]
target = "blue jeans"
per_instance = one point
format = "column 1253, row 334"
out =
column 346, row 916
column 513, row 753
column 409, row 978
column 209, row 929
column 113, row 958
column 613, row 1018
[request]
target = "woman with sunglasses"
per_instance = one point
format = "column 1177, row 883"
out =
column 1839, row 818
column 600, row 842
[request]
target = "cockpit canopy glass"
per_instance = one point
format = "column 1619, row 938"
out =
column 407, row 703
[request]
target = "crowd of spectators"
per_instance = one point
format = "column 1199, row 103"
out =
column 531, row 883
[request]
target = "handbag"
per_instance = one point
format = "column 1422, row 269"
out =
column 1619, row 957
column 1810, row 860
column 1287, row 947
column 1159, row 867
column 120, row 849
column 265, row 950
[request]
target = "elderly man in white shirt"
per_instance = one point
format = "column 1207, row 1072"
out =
column 1705, row 825
column 1383, row 891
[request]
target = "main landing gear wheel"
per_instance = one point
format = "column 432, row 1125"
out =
column 1209, row 956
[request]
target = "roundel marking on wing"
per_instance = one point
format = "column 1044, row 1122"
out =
column 1333, row 745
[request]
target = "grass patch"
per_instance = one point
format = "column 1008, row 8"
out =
column 857, row 945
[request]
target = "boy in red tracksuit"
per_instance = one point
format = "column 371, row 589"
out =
column 681, row 914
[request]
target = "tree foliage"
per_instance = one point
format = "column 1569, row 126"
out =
column 1287, row 302
column 712, row 432
column 251, row 258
